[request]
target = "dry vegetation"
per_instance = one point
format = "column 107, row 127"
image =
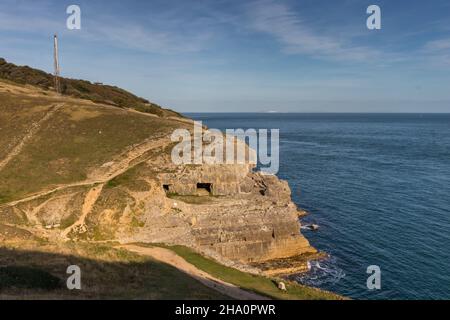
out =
column 74, row 140
column 37, row 270
column 82, row 89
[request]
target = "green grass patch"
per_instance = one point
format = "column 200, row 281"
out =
column 4, row 198
column 67, row 222
column 130, row 178
column 135, row 223
column 259, row 284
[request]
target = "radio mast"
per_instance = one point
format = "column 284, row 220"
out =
column 56, row 64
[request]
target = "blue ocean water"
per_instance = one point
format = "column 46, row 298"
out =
column 379, row 187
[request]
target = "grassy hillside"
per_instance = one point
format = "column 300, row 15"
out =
column 34, row 271
column 74, row 140
column 95, row 92
column 259, row 284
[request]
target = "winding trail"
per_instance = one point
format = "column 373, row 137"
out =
column 119, row 168
column 89, row 202
column 169, row 257
column 29, row 135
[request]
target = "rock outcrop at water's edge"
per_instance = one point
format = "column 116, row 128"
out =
column 250, row 217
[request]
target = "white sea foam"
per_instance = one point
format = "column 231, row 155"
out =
column 321, row 272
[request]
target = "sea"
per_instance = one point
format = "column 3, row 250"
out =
column 378, row 185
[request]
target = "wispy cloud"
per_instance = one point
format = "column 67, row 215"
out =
column 133, row 36
column 30, row 23
column 438, row 52
column 438, row 45
column 279, row 21
column 164, row 34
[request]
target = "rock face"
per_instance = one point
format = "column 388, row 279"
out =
column 217, row 180
column 253, row 219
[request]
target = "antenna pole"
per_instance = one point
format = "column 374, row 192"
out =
column 56, row 64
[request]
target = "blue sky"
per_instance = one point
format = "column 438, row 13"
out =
column 246, row 56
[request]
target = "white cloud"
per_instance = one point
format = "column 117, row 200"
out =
column 286, row 27
column 149, row 40
column 438, row 52
column 438, row 45
column 167, row 34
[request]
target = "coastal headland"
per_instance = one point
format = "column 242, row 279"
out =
column 90, row 170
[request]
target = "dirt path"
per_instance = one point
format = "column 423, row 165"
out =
column 29, row 135
column 169, row 257
column 89, row 201
column 119, row 168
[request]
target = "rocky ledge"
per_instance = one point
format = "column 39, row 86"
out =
column 238, row 215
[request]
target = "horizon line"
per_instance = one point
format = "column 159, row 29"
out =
column 310, row 112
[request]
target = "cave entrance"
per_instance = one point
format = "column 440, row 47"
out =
column 166, row 187
column 204, row 189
